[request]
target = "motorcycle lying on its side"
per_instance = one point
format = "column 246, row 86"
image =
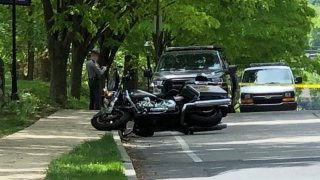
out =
column 198, row 106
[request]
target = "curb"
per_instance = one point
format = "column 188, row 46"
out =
column 129, row 171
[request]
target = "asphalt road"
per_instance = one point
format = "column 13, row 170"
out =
column 273, row 145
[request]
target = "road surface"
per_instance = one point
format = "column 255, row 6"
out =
column 272, row 145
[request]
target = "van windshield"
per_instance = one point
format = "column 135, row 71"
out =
column 268, row 76
column 189, row 61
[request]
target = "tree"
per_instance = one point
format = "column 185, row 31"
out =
column 58, row 23
column 32, row 35
column 109, row 23
column 253, row 30
column 31, row 39
column 248, row 30
column 240, row 26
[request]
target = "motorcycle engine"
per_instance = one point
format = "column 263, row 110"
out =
column 163, row 106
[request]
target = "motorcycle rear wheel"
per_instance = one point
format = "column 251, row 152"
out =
column 114, row 121
column 205, row 120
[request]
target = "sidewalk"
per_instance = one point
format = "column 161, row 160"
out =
column 27, row 153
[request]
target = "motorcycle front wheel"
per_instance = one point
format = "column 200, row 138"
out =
column 107, row 122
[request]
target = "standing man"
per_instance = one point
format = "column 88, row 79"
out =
column 94, row 76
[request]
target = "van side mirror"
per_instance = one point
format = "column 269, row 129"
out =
column 148, row 73
column 298, row 80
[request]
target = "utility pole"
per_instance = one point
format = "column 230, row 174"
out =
column 157, row 46
column 14, row 92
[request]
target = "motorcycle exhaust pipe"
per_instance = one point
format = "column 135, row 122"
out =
column 206, row 103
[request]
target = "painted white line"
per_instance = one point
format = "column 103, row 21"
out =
column 277, row 122
column 187, row 150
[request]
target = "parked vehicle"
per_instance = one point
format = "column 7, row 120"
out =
column 268, row 87
column 189, row 110
column 180, row 64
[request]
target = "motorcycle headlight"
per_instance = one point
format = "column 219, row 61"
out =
column 106, row 93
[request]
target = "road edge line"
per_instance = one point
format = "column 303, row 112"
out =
column 129, row 170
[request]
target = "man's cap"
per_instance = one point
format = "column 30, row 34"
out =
column 95, row 50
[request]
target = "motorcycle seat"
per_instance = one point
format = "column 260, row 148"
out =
column 139, row 94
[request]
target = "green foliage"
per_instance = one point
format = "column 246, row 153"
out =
column 73, row 103
column 99, row 159
column 30, row 27
column 314, row 2
column 26, row 107
column 34, row 102
column 269, row 33
column 314, row 39
column 250, row 30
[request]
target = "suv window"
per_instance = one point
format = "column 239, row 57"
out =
column 268, row 76
column 189, row 61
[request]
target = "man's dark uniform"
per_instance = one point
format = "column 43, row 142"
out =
column 94, row 75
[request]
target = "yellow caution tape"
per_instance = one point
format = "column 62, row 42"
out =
column 310, row 86
column 307, row 86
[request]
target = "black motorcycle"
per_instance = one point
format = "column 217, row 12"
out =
column 199, row 105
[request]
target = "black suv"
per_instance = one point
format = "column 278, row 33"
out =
column 180, row 64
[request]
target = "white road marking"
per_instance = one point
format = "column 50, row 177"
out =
column 277, row 122
column 187, row 150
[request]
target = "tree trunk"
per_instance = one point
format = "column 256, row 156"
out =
column 165, row 40
column 59, row 47
column 30, row 61
column 58, row 56
column 30, row 46
column 45, row 67
column 129, row 66
column 78, row 56
column 80, row 50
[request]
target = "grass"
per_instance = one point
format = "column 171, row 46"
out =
column 97, row 159
column 34, row 103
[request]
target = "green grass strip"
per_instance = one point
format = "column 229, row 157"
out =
column 98, row 159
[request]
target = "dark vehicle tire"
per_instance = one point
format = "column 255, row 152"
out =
column 144, row 133
column 205, row 119
column 114, row 121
